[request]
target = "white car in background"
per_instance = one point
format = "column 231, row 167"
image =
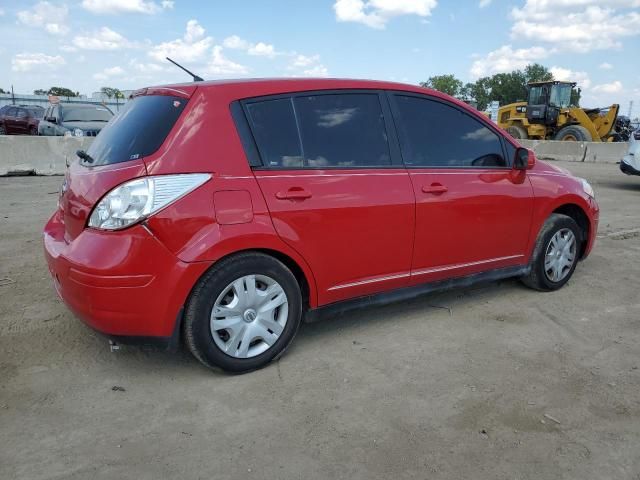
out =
column 630, row 163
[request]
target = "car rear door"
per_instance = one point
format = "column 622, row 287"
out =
column 473, row 211
column 10, row 120
column 335, row 188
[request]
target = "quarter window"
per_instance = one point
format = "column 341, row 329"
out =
column 434, row 134
column 316, row 131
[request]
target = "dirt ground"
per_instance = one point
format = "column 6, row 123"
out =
column 491, row 382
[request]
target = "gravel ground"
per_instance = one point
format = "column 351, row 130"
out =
column 492, row 382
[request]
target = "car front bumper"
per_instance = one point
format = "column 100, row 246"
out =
column 123, row 283
column 629, row 165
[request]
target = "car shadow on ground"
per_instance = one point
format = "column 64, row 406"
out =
column 619, row 185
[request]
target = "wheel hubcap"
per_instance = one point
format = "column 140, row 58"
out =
column 560, row 255
column 249, row 316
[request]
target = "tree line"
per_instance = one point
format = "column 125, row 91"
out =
column 108, row 92
column 502, row 87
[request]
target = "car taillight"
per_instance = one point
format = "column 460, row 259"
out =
column 135, row 200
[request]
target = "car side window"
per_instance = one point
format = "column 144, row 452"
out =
column 434, row 134
column 320, row 131
column 342, row 130
column 12, row 112
column 22, row 113
column 274, row 128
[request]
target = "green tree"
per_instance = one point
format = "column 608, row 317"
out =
column 537, row 73
column 448, row 84
column 111, row 92
column 40, row 92
column 576, row 93
column 62, row 92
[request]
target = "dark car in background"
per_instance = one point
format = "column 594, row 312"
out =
column 74, row 119
column 20, row 119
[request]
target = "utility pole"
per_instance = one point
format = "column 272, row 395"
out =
column 630, row 108
column 13, row 97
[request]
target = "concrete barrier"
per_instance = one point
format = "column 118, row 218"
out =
column 38, row 155
column 577, row 151
column 49, row 155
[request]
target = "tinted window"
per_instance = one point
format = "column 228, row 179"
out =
column 86, row 114
column 343, row 130
column 434, row 134
column 138, row 130
column 22, row 113
column 274, row 129
column 12, row 112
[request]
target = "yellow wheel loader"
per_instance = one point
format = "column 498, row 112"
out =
column 548, row 115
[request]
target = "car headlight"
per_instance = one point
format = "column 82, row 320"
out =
column 137, row 199
column 587, row 188
column 78, row 133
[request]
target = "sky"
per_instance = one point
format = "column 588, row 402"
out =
column 88, row 44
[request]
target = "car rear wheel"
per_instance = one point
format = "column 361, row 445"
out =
column 3, row 131
column 33, row 131
column 243, row 313
column 555, row 254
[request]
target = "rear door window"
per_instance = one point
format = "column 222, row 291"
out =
column 138, row 130
column 342, row 130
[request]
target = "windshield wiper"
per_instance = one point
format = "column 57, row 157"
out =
column 84, row 156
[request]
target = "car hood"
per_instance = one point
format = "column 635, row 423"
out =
column 542, row 166
column 84, row 125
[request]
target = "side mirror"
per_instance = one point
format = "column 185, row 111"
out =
column 51, row 119
column 524, row 159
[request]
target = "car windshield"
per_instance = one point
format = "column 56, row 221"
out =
column 86, row 114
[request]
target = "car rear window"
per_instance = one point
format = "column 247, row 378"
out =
column 138, row 130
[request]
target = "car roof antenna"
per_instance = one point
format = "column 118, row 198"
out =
column 196, row 78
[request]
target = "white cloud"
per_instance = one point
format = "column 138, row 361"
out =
column 68, row 48
column 27, row 62
column 613, row 87
column 257, row 49
column 235, row 42
column 193, row 47
column 109, row 73
column 484, row 3
column 307, row 66
column 103, row 39
column 220, row 65
column 565, row 74
column 262, row 49
column 376, row 13
column 577, row 25
column 605, row 66
column 45, row 15
column 125, row 6
column 507, row 59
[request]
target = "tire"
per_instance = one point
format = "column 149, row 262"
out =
column 517, row 132
column 33, row 131
column 3, row 131
column 245, row 318
column 573, row 133
column 541, row 278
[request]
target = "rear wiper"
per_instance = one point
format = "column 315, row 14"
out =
column 84, row 156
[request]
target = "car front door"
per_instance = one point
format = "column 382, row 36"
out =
column 473, row 211
column 336, row 189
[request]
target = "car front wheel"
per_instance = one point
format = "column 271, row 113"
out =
column 243, row 313
column 555, row 254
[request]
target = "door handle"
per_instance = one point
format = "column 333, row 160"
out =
column 435, row 188
column 294, row 193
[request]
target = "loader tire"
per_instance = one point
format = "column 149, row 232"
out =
column 517, row 132
column 573, row 133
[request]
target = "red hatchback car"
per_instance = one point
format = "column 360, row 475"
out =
column 226, row 212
